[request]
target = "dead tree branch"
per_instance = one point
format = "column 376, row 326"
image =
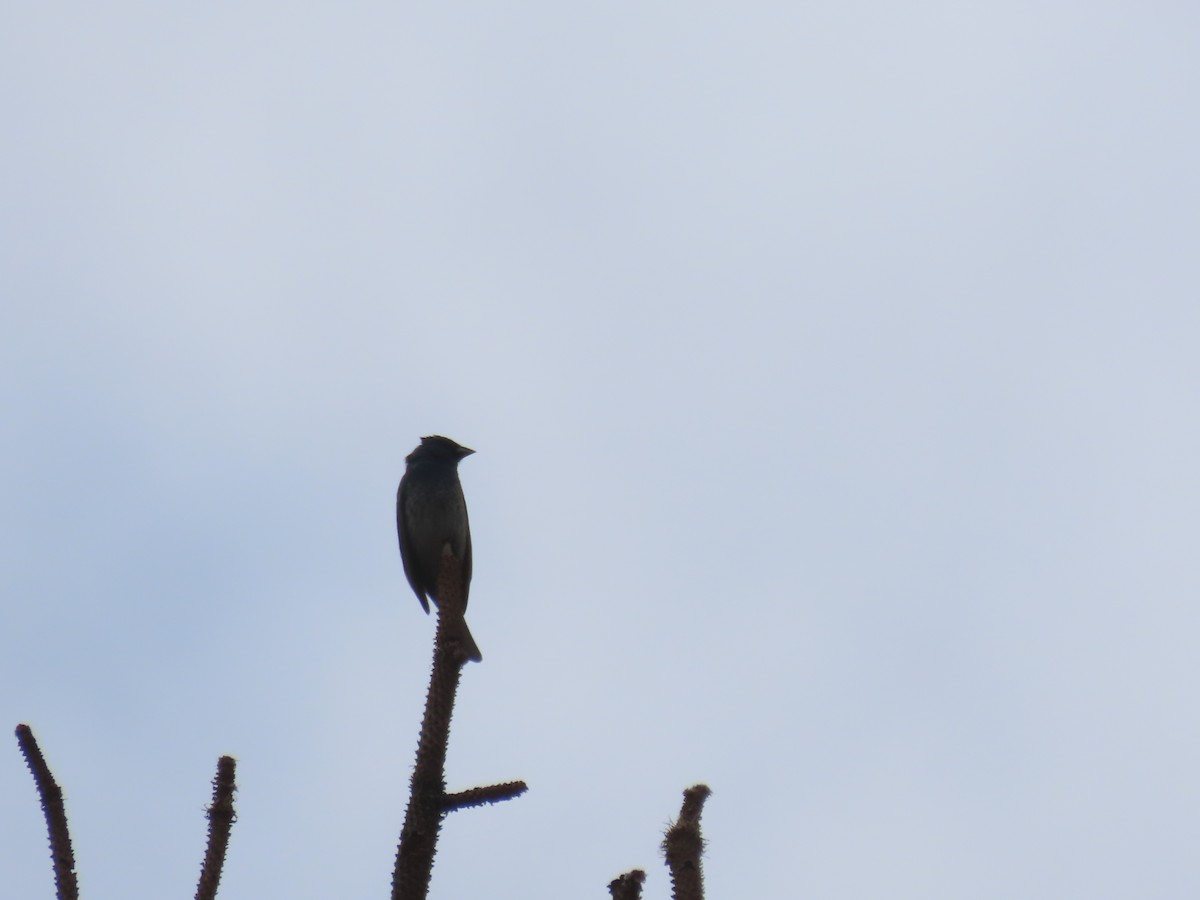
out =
column 221, row 817
column 66, row 885
column 428, row 801
column 683, row 846
column 627, row 886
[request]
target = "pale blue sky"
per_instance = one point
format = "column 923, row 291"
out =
column 833, row 374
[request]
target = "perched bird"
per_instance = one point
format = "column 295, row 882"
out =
column 431, row 513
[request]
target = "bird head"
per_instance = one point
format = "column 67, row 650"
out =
column 437, row 447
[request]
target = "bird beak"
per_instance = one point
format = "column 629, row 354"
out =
column 466, row 451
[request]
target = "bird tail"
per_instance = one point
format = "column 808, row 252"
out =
column 459, row 632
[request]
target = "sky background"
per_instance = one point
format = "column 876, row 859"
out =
column 833, row 373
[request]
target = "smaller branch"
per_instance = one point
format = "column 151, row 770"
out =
column 492, row 793
column 627, row 886
column 683, row 846
column 221, row 817
column 65, row 883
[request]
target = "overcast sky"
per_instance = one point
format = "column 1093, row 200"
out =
column 833, row 373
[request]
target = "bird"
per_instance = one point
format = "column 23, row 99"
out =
column 431, row 515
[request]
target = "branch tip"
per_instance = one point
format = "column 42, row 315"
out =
column 66, row 882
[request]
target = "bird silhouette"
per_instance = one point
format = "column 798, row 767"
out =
column 431, row 516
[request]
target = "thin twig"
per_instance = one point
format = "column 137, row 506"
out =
column 492, row 793
column 221, row 817
column 66, row 885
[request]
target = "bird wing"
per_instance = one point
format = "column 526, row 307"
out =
column 405, row 543
column 466, row 554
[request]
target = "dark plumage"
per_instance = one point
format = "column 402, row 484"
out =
column 431, row 512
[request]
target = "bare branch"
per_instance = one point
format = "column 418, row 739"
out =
column 428, row 802
column 627, row 886
column 683, row 846
column 492, row 793
column 65, row 883
column 221, row 817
